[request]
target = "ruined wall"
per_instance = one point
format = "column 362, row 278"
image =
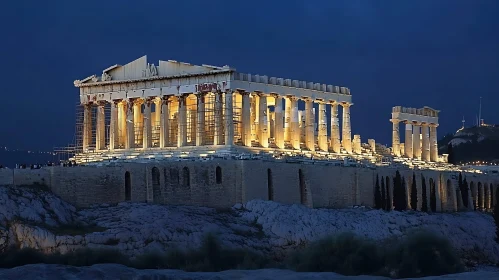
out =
column 19, row 177
column 6, row 176
column 173, row 182
column 223, row 183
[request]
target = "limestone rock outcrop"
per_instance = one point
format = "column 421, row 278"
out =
column 38, row 219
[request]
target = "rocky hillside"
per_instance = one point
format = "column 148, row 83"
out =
column 37, row 219
column 473, row 143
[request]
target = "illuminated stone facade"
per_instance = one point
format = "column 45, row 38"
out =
column 177, row 106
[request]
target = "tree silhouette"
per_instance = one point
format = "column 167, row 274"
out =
column 399, row 192
column 496, row 217
column 414, row 193
column 388, row 206
column 433, row 196
column 424, row 196
column 383, row 193
column 461, row 186
column 466, row 193
column 377, row 194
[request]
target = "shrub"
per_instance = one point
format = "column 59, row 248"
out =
column 345, row 254
column 13, row 257
column 210, row 257
column 423, row 254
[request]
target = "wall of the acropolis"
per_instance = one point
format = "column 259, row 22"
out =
column 197, row 183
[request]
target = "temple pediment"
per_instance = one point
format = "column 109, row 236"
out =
column 140, row 69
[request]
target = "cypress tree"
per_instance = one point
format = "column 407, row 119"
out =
column 466, row 193
column 383, row 194
column 377, row 194
column 403, row 196
column 461, row 186
column 414, row 193
column 388, row 200
column 397, row 192
column 424, row 196
column 433, row 197
column 496, row 217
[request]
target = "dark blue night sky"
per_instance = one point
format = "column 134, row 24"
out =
column 443, row 54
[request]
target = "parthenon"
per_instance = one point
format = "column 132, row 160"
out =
column 140, row 109
column 179, row 105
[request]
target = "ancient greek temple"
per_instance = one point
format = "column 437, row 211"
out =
column 177, row 105
column 420, row 133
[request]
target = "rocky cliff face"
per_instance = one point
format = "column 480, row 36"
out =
column 38, row 219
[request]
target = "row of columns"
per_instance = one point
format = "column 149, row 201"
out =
column 287, row 128
column 426, row 149
column 126, row 113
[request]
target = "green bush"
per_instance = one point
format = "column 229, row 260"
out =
column 419, row 254
column 13, row 257
column 423, row 254
column 345, row 254
column 210, row 257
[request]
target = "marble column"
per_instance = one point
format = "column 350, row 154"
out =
column 408, row 140
column 253, row 120
column 200, row 119
column 309, row 124
column 229, row 115
column 113, row 126
column 396, row 137
column 263, row 136
column 322, row 129
column 182, row 121
column 278, row 124
column 218, row 133
column 122, row 123
column 130, row 134
column 295, row 129
column 87, row 126
column 245, row 118
column 425, row 149
column 164, row 122
column 287, row 119
column 346, row 139
column 433, row 143
column 138, row 122
column 147, row 131
column 335, row 129
column 416, row 144
column 100, row 134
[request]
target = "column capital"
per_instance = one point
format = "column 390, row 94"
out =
column 424, row 124
column 346, row 104
column 407, row 122
column 416, row 123
column 333, row 102
column 293, row 97
column 137, row 101
column 320, row 101
column 275, row 95
column 395, row 120
column 433, row 124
